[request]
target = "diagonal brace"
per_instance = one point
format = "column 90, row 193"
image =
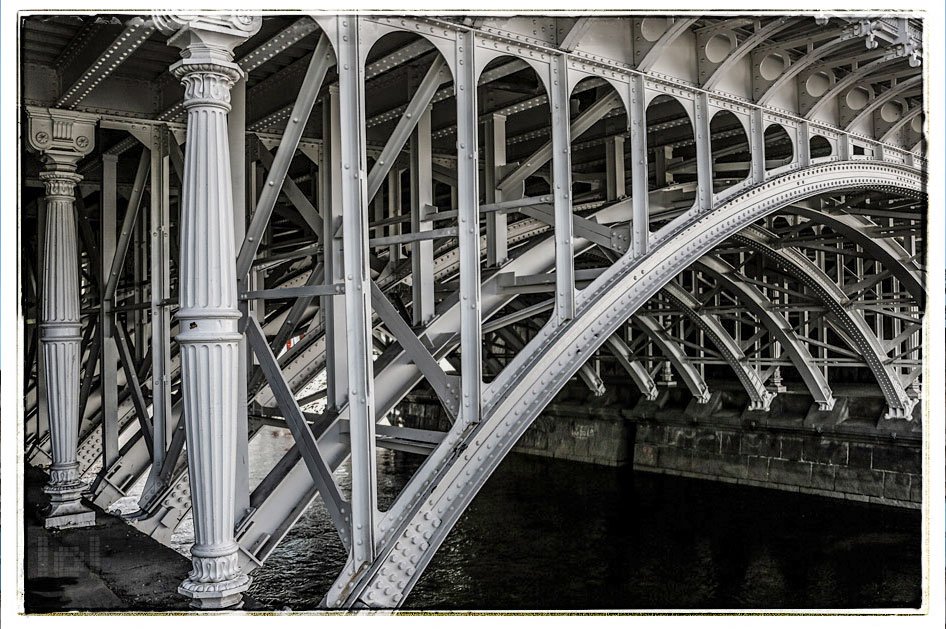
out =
column 337, row 506
column 405, row 126
column 442, row 384
column 321, row 60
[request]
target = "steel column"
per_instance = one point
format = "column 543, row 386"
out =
column 422, row 251
column 108, row 366
column 469, row 232
column 494, row 133
column 354, row 195
column 562, row 190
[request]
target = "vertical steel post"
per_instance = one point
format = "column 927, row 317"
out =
column 495, row 157
column 109, row 355
column 804, row 144
column 756, row 146
column 160, row 296
column 614, row 163
column 637, row 118
column 562, row 190
column 354, row 194
column 704, row 154
column 333, row 306
column 394, row 209
column 471, row 364
column 236, row 139
column 208, row 315
column 422, row 197
column 62, row 138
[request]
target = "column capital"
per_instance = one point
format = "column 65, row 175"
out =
column 60, row 134
column 206, row 67
column 207, row 41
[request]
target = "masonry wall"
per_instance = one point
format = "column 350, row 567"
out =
column 847, row 453
column 841, row 467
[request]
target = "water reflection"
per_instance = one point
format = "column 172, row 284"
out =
column 546, row 534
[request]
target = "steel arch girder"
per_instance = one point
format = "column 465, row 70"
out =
column 634, row 369
column 809, row 59
column 759, row 397
column 886, row 250
column 443, row 488
column 851, row 323
column 674, row 353
column 778, row 327
column 746, row 47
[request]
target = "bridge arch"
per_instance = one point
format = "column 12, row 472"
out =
column 534, row 377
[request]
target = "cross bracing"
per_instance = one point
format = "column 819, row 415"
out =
column 471, row 205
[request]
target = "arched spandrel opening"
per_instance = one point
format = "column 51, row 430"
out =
column 599, row 143
column 515, row 129
column 671, row 159
column 819, row 147
column 779, row 149
column 731, row 153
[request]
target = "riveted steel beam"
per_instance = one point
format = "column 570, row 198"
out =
column 469, row 234
column 136, row 32
column 361, row 404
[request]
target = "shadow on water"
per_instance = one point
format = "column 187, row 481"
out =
column 549, row 534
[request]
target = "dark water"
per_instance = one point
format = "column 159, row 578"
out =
column 547, row 534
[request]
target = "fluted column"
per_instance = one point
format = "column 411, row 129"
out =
column 62, row 139
column 208, row 315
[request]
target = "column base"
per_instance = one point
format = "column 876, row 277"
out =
column 69, row 515
column 225, row 595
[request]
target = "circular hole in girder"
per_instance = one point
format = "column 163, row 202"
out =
column 718, row 47
column 818, row 83
column 857, row 98
column 653, row 27
column 891, row 112
column 917, row 123
column 772, row 66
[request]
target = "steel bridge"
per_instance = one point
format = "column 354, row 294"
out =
column 233, row 222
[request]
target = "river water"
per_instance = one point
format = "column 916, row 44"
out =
column 549, row 534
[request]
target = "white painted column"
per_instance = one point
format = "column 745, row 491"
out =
column 62, row 139
column 208, row 314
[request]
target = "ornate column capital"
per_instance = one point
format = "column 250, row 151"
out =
column 207, row 43
column 62, row 135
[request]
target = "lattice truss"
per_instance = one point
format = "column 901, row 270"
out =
column 635, row 201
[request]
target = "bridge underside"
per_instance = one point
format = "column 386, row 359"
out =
column 477, row 210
